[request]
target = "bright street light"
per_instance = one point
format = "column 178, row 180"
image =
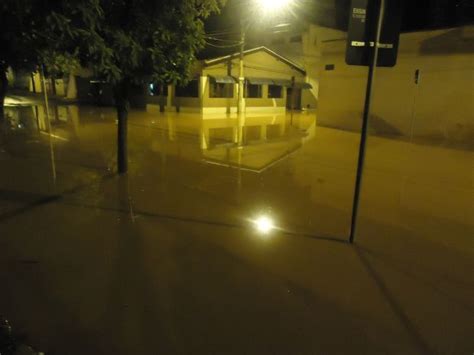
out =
column 268, row 7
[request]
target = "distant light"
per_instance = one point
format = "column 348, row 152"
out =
column 264, row 224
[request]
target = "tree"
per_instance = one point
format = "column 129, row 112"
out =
column 126, row 42
column 41, row 32
column 15, row 43
column 140, row 41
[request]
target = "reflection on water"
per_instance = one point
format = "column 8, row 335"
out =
column 32, row 119
column 227, row 157
column 264, row 224
column 304, row 173
column 47, row 155
column 252, row 142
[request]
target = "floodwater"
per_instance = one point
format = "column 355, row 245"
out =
column 229, row 234
column 235, row 169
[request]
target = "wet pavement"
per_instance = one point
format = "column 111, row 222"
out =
column 168, row 259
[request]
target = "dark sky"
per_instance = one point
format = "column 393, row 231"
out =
column 417, row 15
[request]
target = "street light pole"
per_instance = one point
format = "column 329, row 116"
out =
column 265, row 5
column 365, row 121
column 241, row 103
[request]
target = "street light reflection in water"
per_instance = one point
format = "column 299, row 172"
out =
column 263, row 224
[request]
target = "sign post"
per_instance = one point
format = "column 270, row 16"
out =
column 372, row 40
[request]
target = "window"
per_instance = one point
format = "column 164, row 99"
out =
column 275, row 91
column 190, row 90
column 221, row 90
column 253, row 90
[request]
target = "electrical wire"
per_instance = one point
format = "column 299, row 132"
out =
column 219, row 33
column 222, row 40
column 222, row 46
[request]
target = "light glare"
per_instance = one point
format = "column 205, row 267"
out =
column 264, row 224
column 272, row 6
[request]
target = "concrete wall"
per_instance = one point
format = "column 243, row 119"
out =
column 307, row 53
column 65, row 86
column 35, row 84
column 439, row 108
column 60, row 87
column 27, row 81
column 313, row 40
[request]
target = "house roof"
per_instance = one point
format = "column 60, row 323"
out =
column 208, row 62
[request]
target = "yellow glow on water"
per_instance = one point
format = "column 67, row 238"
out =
column 55, row 136
column 264, row 224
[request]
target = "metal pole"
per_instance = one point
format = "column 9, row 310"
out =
column 48, row 123
column 292, row 99
column 365, row 121
column 240, row 106
column 122, row 138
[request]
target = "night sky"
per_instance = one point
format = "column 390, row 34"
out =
column 417, row 15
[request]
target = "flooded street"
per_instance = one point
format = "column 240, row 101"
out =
column 195, row 166
column 231, row 230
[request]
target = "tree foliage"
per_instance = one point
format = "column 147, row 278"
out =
column 144, row 40
column 34, row 32
column 135, row 40
column 126, row 42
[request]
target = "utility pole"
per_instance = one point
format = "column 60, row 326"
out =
column 241, row 103
column 292, row 99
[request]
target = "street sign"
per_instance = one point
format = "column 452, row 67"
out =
column 363, row 30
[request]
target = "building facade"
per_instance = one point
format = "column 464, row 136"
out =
column 273, row 83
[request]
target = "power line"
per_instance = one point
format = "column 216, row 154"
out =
column 222, row 40
column 222, row 46
column 223, row 32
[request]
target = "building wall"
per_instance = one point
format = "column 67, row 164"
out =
column 307, row 53
column 65, row 86
column 259, row 64
column 60, row 87
column 35, row 84
column 217, row 104
column 439, row 107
